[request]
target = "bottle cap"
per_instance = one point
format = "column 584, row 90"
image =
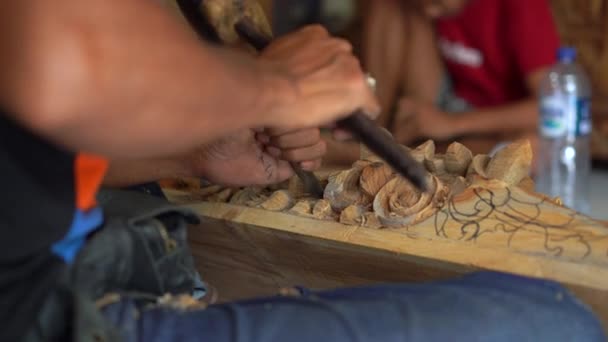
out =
column 566, row 54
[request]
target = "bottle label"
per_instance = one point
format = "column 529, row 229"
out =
column 562, row 115
column 552, row 118
column 583, row 117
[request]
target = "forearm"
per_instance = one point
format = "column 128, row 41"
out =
column 123, row 173
column 521, row 116
column 124, row 79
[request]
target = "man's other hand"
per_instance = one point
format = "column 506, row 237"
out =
column 262, row 158
column 303, row 147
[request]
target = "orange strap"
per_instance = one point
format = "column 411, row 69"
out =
column 89, row 171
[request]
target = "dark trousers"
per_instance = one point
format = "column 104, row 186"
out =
column 478, row 307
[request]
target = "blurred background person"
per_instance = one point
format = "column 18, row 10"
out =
column 466, row 70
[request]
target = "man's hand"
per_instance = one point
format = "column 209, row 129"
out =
column 326, row 77
column 303, row 147
column 247, row 158
column 420, row 120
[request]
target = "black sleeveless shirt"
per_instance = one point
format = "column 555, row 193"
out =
column 36, row 210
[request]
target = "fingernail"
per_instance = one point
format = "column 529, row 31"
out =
column 341, row 135
column 273, row 151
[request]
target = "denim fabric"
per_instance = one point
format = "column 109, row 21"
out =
column 479, row 307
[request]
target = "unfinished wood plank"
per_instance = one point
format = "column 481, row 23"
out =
column 539, row 239
column 244, row 260
column 566, row 258
column 251, row 252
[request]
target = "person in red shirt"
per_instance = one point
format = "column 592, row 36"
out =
column 481, row 59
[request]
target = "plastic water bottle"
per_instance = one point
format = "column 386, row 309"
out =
column 563, row 159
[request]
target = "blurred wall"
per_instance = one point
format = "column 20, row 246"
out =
column 584, row 24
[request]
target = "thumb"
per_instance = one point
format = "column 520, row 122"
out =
column 283, row 172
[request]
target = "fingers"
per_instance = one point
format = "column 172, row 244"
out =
column 311, row 37
column 337, row 90
column 306, row 60
column 297, row 139
column 304, row 146
column 295, row 39
column 316, row 151
column 283, row 172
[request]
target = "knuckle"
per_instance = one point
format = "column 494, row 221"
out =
column 316, row 30
column 342, row 58
column 342, row 44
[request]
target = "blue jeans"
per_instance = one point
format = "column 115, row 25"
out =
column 478, row 307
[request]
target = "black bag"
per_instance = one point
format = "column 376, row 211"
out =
column 141, row 248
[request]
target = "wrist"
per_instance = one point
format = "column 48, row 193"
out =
column 175, row 167
column 132, row 172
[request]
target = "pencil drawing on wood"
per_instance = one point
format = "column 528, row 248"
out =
column 472, row 198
